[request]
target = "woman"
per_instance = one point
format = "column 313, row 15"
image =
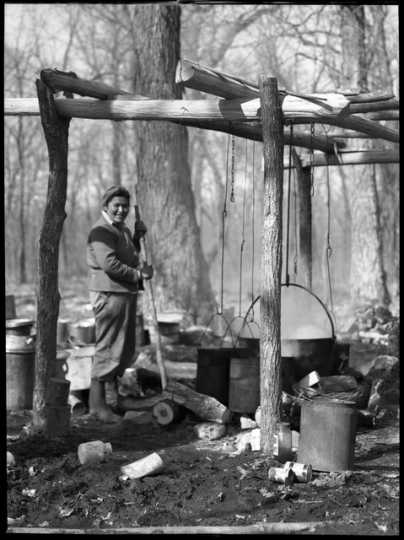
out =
column 115, row 278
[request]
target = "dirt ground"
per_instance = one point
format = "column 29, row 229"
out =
column 202, row 483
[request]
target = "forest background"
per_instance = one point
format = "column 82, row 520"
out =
column 303, row 46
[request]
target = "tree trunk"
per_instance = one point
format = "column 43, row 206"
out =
column 56, row 131
column 163, row 186
column 384, row 294
column 366, row 276
column 270, row 302
column 22, row 176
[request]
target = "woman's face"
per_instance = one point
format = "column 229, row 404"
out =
column 117, row 209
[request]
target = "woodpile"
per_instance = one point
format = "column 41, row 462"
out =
column 376, row 324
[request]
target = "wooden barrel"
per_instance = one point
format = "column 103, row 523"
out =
column 244, row 386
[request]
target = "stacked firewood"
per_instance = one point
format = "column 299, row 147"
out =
column 376, row 324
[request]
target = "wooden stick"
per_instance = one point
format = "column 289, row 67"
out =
column 149, row 286
column 256, row 528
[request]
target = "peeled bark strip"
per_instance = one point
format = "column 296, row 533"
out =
column 271, row 265
column 56, row 131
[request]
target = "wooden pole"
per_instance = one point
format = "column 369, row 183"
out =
column 295, row 110
column 56, row 131
column 305, row 221
column 271, row 265
column 250, row 130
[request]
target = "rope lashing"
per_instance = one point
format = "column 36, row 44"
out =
column 233, row 148
column 311, row 159
column 328, row 241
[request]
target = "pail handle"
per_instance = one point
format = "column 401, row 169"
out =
column 228, row 327
column 307, row 290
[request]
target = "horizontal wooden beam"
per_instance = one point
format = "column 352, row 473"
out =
column 385, row 105
column 353, row 122
column 348, row 158
column 174, row 110
column 384, row 115
column 252, row 131
column 205, row 79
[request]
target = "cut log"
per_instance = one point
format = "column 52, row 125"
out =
column 206, row 407
column 210, row 430
column 167, row 412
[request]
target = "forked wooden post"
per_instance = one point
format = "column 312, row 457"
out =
column 56, row 131
column 303, row 176
column 270, row 302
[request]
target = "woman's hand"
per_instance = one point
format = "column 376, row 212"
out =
column 146, row 271
column 140, row 229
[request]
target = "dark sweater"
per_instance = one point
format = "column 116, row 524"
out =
column 112, row 259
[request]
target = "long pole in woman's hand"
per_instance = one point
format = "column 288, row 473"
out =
column 149, row 287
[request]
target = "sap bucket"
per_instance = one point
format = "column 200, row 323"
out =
column 20, row 369
column 212, row 377
column 244, row 385
column 327, row 434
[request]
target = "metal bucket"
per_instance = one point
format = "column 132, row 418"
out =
column 20, row 373
column 244, row 384
column 212, row 376
column 327, row 434
column 310, row 355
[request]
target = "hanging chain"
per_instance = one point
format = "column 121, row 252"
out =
column 243, row 231
column 224, row 214
column 233, row 147
column 311, row 159
column 296, row 228
column 253, row 228
column 328, row 247
column 288, row 208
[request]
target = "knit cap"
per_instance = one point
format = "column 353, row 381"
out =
column 114, row 191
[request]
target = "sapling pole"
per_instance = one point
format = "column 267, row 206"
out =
column 271, row 262
column 56, row 130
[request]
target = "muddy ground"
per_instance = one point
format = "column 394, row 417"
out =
column 202, row 483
